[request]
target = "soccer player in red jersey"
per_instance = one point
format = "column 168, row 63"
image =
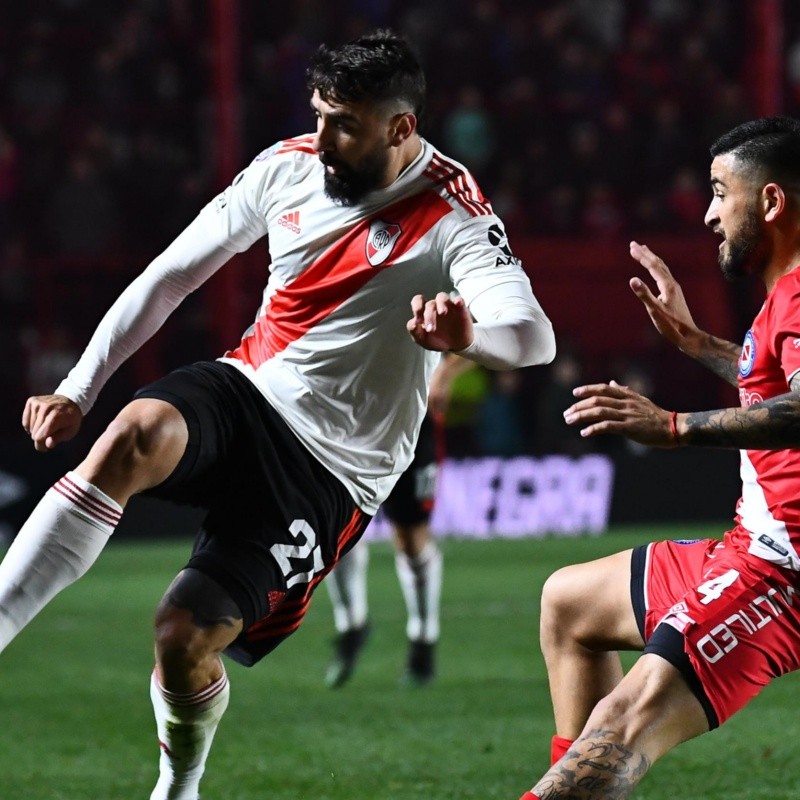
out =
column 716, row 620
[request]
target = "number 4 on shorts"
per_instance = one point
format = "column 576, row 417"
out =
column 712, row 590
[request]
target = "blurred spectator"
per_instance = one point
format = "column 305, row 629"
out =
column 468, row 130
column 499, row 427
column 687, row 200
column 9, row 176
column 553, row 435
column 82, row 217
column 602, row 217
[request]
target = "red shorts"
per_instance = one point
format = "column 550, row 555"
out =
column 739, row 616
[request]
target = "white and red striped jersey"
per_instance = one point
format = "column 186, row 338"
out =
column 329, row 347
column 768, row 513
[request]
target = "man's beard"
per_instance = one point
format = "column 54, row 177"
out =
column 746, row 250
column 348, row 186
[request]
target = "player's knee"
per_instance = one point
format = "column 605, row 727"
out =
column 561, row 606
column 123, row 444
column 180, row 645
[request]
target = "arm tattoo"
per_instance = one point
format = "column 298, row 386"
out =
column 771, row 425
column 721, row 357
column 594, row 768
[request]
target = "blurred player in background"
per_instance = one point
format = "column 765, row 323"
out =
column 418, row 559
column 717, row 620
column 292, row 440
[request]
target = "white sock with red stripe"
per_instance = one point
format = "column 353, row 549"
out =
column 347, row 587
column 186, row 725
column 421, row 583
column 61, row 539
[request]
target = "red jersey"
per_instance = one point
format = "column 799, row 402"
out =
column 768, row 513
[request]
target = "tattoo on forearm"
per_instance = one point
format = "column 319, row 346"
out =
column 721, row 357
column 594, row 768
column 771, row 425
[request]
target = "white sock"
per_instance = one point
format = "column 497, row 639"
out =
column 60, row 540
column 421, row 583
column 347, row 587
column 186, row 724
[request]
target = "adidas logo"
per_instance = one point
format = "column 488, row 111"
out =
column 291, row 220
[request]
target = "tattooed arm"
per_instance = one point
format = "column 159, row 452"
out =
column 610, row 408
column 771, row 425
column 671, row 317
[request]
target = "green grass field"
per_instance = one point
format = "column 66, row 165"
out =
column 76, row 722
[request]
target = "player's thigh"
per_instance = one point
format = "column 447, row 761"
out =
column 139, row 449
column 591, row 604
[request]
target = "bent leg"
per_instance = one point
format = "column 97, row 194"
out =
column 586, row 617
column 650, row 712
column 70, row 526
column 195, row 621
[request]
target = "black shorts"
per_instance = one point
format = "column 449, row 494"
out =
column 277, row 520
column 411, row 500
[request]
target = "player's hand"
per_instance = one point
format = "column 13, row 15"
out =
column 51, row 419
column 611, row 408
column 442, row 324
column 668, row 309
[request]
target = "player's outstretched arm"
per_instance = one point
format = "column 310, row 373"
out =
column 671, row 317
column 51, row 419
column 611, row 408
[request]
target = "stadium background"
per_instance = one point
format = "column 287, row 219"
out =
column 587, row 123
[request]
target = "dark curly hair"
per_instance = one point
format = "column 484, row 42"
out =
column 377, row 67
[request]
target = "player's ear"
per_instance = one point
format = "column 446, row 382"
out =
column 773, row 200
column 402, row 127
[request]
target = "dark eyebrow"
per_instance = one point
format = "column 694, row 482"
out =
column 717, row 182
column 337, row 116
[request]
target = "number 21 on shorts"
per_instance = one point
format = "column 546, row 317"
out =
column 712, row 590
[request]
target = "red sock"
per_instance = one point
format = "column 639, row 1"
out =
column 529, row 796
column 558, row 746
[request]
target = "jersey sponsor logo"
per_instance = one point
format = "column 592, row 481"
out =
column 748, row 356
column 290, row 220
column 497, row 238
column 796, row 343
column 381, row 239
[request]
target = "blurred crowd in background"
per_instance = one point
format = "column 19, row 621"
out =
column 583, row 119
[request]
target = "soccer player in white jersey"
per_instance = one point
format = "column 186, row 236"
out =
column 717, row 619
column 292, row 439
column 418, row 558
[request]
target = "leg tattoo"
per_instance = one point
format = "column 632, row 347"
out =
column 209, row 603
column 594, row 768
